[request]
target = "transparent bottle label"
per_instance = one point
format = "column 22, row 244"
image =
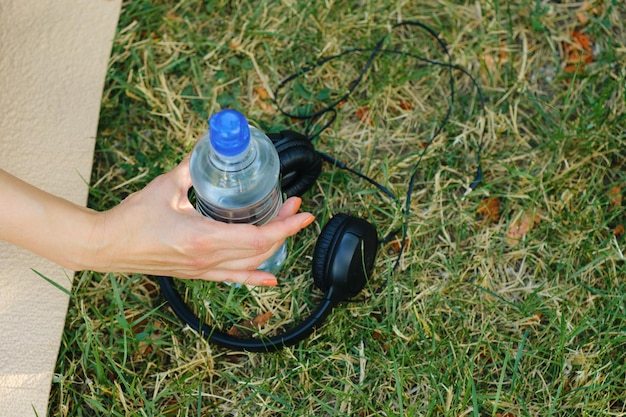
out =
column 258, row 213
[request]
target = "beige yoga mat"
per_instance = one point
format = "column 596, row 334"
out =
column 53, row 59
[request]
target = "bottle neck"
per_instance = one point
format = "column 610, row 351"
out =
column 235, row 162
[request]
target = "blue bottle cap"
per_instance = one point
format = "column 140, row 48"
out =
column 229, row 132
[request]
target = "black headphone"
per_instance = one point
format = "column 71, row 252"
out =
column 343, row 257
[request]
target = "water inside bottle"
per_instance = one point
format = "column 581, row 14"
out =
column 258, row 214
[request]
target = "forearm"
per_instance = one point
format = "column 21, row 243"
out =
column 46, row 224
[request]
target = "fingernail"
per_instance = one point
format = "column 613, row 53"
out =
column 308, row 221
column 270, row 282
column 297, row 204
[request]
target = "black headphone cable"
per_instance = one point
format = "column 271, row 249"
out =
column 331, row 108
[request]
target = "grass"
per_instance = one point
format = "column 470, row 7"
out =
column 474, row 322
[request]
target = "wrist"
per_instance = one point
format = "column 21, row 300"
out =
column 95, row 244
column 83, row 241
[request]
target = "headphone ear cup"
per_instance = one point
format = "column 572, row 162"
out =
column 344, row 256
column 300, row 165
column 322, row 251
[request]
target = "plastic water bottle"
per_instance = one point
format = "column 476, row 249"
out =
column 235, row 173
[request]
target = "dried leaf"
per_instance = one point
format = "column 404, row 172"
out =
column 490, row 63
column 520, row 227
column 171, row 15
column 147, row 288
column 171, row 408
column 363, row 113
column 582, row 18
column 489, row 210
column 261, row 92
column 495, row 60
column 582, row 40
column 619, row 230
column 589, row 8
column 137, row 324
column 234, row 44
column 578, row 52
column 394, row 246
column 503, row 53
column 247, row 327
column 146, row 347
column 378, row 335
column 405, row 105
column 615, row 197
column 533, row 320
column 264, row 100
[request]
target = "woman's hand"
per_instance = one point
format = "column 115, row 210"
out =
column 154, row 231
column 157, row 231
